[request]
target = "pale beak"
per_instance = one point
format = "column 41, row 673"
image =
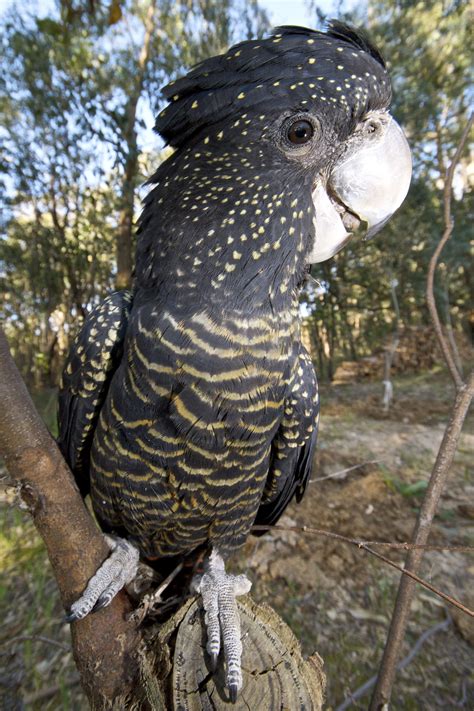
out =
column 368, row 185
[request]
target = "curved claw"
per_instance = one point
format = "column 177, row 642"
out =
column 104, row 600
column 71, row 617
column 233, row 691
column 213, row 662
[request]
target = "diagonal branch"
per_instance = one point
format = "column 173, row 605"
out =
column 103, row 643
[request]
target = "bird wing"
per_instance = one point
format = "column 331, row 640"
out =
column 86, row 377
column 294, row 444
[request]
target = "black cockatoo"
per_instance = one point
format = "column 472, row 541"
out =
column 189, row 407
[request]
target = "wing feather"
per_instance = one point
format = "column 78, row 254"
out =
column 294, row 445
column 86, row 377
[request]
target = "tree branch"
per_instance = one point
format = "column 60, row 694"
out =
column 366, row 546
column 448, row 228
column 439, row 475
column 103, row 643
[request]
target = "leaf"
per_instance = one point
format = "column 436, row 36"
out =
column 115, row 12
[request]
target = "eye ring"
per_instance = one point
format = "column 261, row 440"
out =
column 300, row 132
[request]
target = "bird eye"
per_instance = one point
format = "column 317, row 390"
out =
column 300, row 132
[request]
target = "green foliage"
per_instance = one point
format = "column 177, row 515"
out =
column 427, row 48
column 79, row 92
column 76, row 112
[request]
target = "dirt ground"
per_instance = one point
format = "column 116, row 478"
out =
column 336, row 598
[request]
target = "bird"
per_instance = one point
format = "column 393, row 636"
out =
column 188, row 406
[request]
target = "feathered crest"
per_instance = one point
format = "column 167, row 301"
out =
column 256, row 74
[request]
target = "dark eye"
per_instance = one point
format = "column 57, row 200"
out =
column 300, row 132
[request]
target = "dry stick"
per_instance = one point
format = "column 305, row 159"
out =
column 104, row 643
column 344, row 471
column 365, row 688
column 447, row 450
column 48, row 691
column 364, row 545
column 359, row 542
column 36, row 638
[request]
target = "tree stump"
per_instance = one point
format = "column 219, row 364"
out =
column 276, row 677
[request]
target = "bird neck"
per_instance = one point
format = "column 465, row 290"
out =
column 231, row 228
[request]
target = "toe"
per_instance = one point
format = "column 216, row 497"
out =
column 116, row 572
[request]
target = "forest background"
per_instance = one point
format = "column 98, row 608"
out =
column 79, row 86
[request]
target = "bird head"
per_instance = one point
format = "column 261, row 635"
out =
column 285, row 148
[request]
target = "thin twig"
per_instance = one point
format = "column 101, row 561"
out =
column 37, row 638
column 149, row 601
column 361, row 542
column 344, row 471
column 464, row 393
column 366, row 687
column 364, row 546
column 448, row 228
column 49, row 691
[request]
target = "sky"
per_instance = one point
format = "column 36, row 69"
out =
column 298, row 12
column 291, row 12
column 281, row 12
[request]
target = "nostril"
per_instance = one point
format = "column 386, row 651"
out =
column 351, row 222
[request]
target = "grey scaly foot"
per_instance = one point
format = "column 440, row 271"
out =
column 116, row 571
column 219, row 591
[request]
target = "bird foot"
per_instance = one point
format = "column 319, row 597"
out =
column 116, row 571
column 219, row 591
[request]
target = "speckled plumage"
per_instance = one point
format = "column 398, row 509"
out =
column 208, row 419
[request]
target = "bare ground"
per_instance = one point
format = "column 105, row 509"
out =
column 336, row 598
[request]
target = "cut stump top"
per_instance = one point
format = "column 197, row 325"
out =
column 275, row 675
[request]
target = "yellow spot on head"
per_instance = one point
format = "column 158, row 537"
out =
column 194, row 105
column 241, row 95
column 311, row 60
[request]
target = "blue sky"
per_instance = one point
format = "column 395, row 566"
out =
column 292, row 12
column 281, row 12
